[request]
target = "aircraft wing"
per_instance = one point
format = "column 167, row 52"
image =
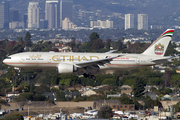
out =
column 96, row 62
column 162, row 59
column 111, row 51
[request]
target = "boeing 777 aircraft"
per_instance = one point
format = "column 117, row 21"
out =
column 68, row 63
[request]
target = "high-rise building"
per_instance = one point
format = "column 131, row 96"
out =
column 25, row 20
column 65, row 10
column 67, row 24
column 4, row 14
column 33, row 15
column 52, row 13
column 43, row 24
column 142, row 22
column 129, row 21
column 14, row 15
column 102, row 24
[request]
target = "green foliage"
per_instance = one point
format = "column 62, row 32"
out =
column 41, row 89
column 15, row 116
column 138, row 87
column 42, row 46
column 156, row 81
column 124, row 99
column 165, row 91
column 149, row 103
column 13, row 47
column 65, row 82
column 170, row 50
column 177, row 107
column 97, row 44
column 109, row 81
column 4, row 84
column 27, row 40
column 31, row 88
column 23, row 87
column 105, row 112
column 39, row 97
column 175, row 81
column 108, row 44
column 2, row 101
column 94, row 36
column 24, row 97
column 60, row 96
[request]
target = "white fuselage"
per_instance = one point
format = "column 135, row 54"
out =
column 45, row 60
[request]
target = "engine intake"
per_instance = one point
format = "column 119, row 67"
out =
column 65, row 68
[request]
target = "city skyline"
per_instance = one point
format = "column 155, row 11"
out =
column 57, row 16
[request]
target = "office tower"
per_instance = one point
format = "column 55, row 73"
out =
column 129, row 21
column 65, row 10
column 43, row 24
column 14, row 15
column 33, row 15
column 142, row 22
column 102, row 24
column 25, row 20
column 67, row 24
column 4, row 14
column 52, row 13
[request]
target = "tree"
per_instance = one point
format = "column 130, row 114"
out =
column 108, row 44
column 94, row 36
column 97, row 44
column 27, row 40
column 109, row 81
column 73, row 44
column 20, row 40
column 167, row 78
column 60, row 96
column 124, row 99
column 175, row 81
column 177, row 107
column 24, row 97
column 39, row 97
column 105, row 112
column 15, row 116
column 138, row 87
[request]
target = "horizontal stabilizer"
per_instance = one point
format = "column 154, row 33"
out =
column 162, row 59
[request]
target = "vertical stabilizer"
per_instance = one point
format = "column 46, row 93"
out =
column 158, row 47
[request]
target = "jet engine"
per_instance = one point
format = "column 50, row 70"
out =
column 65, row 68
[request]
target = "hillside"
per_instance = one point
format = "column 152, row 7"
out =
column 161, row 12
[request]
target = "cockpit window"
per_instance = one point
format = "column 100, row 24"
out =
column 8, row 58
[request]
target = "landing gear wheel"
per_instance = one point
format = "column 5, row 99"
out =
column 85, row 75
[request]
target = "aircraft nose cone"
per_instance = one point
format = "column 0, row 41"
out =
column 4, row 61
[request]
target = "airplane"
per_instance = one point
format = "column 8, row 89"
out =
column 68, row 63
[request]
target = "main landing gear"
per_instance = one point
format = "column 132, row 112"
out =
column 89, row 76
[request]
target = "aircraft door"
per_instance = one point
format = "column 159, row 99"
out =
column 49, row 59
column 137, row 61
column 21, row 59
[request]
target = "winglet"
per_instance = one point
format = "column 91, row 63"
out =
column 158, row 47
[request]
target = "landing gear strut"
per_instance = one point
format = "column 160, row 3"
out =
column 89, row 76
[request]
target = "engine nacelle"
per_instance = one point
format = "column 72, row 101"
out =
column 65, row 68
